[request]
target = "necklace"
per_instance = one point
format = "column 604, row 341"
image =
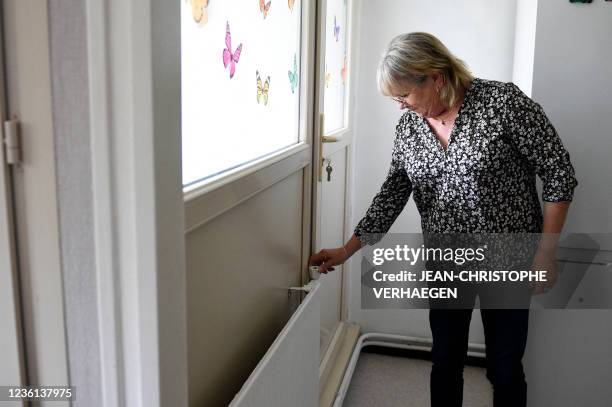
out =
column 443, row 121
column 454, row 109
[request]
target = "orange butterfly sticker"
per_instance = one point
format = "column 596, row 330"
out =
column 291, row 4
column 264, row 7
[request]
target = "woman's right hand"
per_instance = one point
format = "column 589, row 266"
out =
column 327, row 258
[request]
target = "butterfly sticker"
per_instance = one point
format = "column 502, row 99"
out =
column 199, row 10
column 336, row 29
column 230, row 58
column 264, row 7
column 262, row 89
column 291, row 4
column 343, row 71
column 293, row 76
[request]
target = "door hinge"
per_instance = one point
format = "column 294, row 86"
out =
column 12, row 141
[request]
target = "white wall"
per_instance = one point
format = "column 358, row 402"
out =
column 572, row 77
column 481, row 33
column 568, row 352
column 524, row 44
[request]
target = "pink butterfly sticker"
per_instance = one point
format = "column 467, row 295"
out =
column 230, row 58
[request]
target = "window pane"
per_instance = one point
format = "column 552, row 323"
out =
column 239, row 82
column 335, row 65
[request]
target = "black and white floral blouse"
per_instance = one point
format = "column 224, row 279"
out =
column 484, row 182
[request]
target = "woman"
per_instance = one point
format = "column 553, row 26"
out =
column 469, row 150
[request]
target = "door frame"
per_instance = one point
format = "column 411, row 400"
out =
column 354, row 17
column 134, row 88
column 25, row 30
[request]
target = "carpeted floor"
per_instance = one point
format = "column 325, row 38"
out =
column 389, row 381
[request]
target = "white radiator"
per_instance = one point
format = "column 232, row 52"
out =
column 288, row 374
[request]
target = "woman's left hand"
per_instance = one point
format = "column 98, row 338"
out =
column 544, row 260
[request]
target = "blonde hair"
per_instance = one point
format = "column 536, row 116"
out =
column 411, row 57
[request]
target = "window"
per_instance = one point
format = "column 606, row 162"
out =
column 335, row 65
column 240, row 82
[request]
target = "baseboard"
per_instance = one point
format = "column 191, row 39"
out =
column 475, row 361
column 335, row 362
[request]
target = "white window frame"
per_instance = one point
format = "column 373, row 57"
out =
column 346, row 131
column 213, row 196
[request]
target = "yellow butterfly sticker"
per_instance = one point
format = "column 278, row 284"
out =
column 199, row 10
column 327, row 78
column 262, row 89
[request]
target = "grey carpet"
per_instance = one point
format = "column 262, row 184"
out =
column 381, row 381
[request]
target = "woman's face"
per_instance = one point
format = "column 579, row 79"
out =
column 421, row 98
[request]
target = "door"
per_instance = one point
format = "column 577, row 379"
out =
column 247, row 183
column 248, row 232
column 11, row 349
column 248, row 236
column 334, row 150
column 36, row 233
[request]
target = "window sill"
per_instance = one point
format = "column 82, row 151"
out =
column 215, row 196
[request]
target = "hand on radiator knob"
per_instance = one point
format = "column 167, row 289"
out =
column 326, row 259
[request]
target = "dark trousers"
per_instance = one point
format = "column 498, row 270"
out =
column 505, row 339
